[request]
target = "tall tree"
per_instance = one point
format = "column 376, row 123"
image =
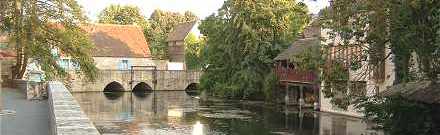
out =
column 242, row 40
column 37, row 27
column 161, row 23
column 193, row 51
column 124, row 15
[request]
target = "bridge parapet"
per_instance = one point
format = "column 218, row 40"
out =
column 156, row 79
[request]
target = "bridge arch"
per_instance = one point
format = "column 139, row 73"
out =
column 114, row 87
column 192, row 89
column 142, row 87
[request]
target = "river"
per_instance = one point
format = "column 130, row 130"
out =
column 177, row 113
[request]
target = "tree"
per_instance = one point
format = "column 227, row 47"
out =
column 37, row 27
column 124, row 15
column 162, row 23
column 193, row 51
column 242, row 40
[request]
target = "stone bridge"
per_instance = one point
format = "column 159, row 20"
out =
column 137, row 80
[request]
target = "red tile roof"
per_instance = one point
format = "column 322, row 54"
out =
column 7, row 55
column 110, row 41
column 117, row 40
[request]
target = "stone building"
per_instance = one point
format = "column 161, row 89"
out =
column 176, row 46
column 117, row 47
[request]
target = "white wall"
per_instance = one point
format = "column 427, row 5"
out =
column 372, row 87
column 113, row 63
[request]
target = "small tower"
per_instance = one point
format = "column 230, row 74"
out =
column 176, row 44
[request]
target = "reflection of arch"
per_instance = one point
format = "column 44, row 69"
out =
column 142, row 87
column 113, row 95
column 192, row 88
column 114, row 87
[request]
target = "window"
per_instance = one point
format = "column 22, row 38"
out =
column 3, row 45
column 64, row 63
column 124, row 65
column 358, row 88
column 74, row 65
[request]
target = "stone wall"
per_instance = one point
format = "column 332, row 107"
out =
column 176, row 51
column 113, row 63
column 33, row 90
column 66, row 116
column 5, row 72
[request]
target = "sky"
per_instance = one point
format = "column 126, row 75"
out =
column 202, row 8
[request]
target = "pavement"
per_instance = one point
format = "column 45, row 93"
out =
column 19, row 116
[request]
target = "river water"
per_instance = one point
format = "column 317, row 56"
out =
column 177, row 113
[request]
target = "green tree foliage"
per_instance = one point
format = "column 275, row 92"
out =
column 242, row 40
column 309, row 59
column 399, row 116
column 124, row 15
column 406, row 27
column 193, row 51
column 162, row 23
column 36, row 27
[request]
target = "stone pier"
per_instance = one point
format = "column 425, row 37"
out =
column 66, row 116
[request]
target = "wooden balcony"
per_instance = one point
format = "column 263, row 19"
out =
column 288, row 75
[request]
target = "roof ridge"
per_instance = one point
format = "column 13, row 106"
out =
column 118, row 25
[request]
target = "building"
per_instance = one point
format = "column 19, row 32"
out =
column 7, row 60
column 303, row 87
column 299, row 87
column 176, row 44
column 364, row 80
column 117, row 47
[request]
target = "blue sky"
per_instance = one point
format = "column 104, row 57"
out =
column 201, row 8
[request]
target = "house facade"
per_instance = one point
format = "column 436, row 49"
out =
column 364, row 80
column 117, row 47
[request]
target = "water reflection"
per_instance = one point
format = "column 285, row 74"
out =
column 177, row 113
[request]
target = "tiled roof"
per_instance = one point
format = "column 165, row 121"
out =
column 117, row 40
column 110, row 41
column 422, row 91
column 309, row 38
column 180, row 31
column 7, row 54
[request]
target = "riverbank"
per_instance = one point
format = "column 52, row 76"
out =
column 23, row 117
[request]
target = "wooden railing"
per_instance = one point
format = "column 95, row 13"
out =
column 293, row 75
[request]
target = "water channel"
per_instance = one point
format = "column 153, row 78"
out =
column 177, row 113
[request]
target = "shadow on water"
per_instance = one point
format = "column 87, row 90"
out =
column 113, row 95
